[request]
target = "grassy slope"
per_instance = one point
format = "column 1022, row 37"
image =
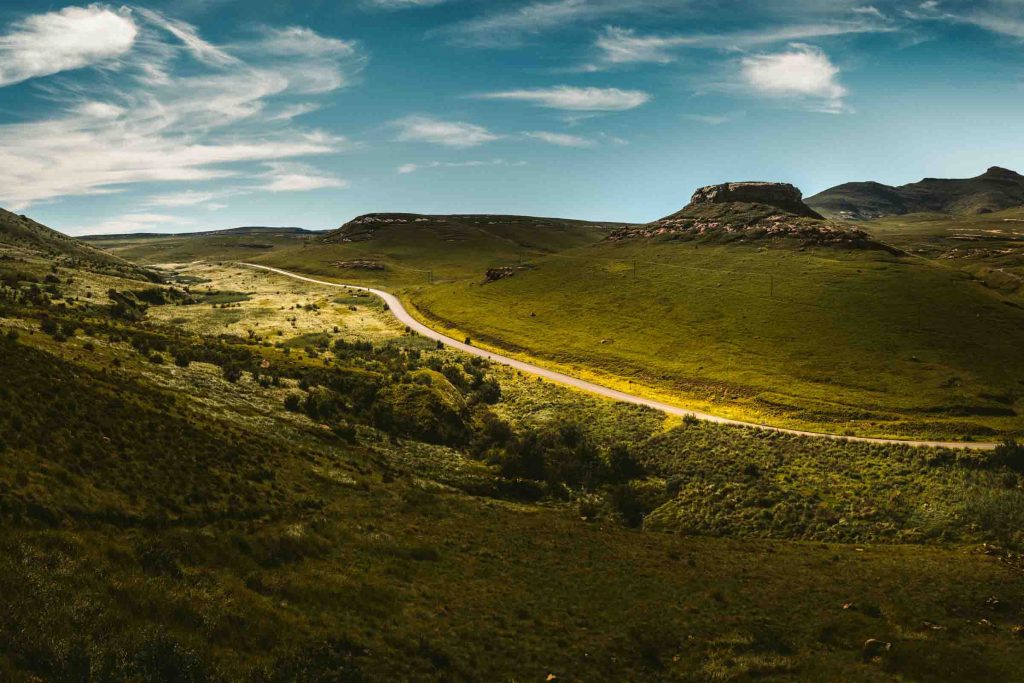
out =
column 20, row 235
column 165, row 523
column 990, row 247
column 186, row 248
column 825, row 339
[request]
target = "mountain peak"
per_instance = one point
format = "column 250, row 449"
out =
column 1000, row 172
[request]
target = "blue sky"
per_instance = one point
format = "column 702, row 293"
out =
column 207, row 114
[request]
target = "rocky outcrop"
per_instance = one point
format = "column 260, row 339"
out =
column 780, row 195
column 770, row 213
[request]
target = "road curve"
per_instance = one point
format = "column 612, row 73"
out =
column 403, row 316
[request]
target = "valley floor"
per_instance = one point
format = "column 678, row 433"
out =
column 167, row 516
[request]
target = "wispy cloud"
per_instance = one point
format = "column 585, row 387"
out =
column 184, row 110
column 561, row 139
column 185, row 198
column 574, row 99
column 132, row 222
column 405, row 169
column 446, row 133
column 293, row 177
column 72, row 38
column 715, row 119
column 504, row 27
column 803, row 72
column 618, row 45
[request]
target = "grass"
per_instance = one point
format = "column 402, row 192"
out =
column 844, row 342
column 166, row 523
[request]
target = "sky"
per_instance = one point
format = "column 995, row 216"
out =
column 208, row 114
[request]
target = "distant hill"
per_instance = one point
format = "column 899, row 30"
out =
column 752, row 212
column 994, row 190
column 253, row 230
column 22, row 233
column 526, row 231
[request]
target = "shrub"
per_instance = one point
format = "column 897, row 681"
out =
column 1009, row 454
column 293, row 403
column 623, row 465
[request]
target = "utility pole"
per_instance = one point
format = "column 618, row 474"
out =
column 771, row 287
column 634, row 269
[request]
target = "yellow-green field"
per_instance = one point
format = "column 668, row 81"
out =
column 845, row 342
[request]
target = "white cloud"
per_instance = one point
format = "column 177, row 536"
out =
column 447, row 133
column 575, row 99
column 405, row 169
column 131, row 222
column 561, row 139
column 801, row 72
column 291, row 177
column 205, row 119
column 72, row 38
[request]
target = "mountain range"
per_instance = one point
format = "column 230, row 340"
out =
column 994, row 190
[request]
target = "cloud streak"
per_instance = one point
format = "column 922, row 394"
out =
column 445, row 133
column 574, row 99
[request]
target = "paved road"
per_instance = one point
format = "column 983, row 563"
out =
column 398, row 310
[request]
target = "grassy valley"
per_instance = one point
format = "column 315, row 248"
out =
column 232, row 475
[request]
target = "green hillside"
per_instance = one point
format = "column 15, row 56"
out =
column 246, row 490
column 990, row 247
column 238, row 243
column 857, row 341
column 20, row 234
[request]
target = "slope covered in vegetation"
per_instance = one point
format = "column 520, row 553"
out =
column 246, row 479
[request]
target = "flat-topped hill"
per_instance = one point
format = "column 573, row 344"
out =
column 750, row 212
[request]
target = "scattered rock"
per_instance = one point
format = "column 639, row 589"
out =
column 359, row 265
column 874, row 649
column 495, row 274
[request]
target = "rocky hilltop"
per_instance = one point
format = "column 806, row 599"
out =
column 994, row 190
column 752, row 212
column 780, row 195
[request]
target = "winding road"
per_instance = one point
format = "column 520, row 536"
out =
column 403, row 316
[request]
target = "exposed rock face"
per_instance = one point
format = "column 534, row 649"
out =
column 780, row 195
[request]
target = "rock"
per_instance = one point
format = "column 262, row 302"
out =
column 359, row 265
column 780, row 195
column 873, row 649
column 495, row 274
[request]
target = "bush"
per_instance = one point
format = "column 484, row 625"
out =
column 623, row 465
column 1009, row 454
column 293, row 403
